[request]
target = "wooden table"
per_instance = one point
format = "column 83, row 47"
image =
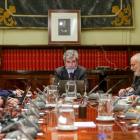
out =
column 115, row 130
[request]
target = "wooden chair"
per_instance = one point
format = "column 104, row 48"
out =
column 52, row 77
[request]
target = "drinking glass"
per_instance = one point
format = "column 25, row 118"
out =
column 52, row 94
column 65, row 114
column 71, row 89
column 105, row 107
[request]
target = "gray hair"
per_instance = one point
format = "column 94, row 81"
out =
column 70, row 54
column 137, row 57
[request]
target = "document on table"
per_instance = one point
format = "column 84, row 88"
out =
column 85, row 124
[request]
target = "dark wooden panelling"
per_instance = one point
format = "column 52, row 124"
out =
column 113, row 79
column 93, row 80
column 8, row 81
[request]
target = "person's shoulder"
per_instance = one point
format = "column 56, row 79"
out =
column 80, row 67
column 60, row 69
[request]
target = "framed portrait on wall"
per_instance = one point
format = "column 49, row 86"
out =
column 64, row 27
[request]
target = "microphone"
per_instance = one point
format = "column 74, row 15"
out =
column 11, row 124
column 34, row 104
column 38, row 82
column 18, row 128
column 37, row 115
column 125, row 92
column 97, row 86
column 114, row 86
column 18, row 90
column 35, row 93
column 15, row 133
column 35, row 87
column 5, row 100
column 15, row 87
column 28, row 136
column 130, row 106
column 36, row 127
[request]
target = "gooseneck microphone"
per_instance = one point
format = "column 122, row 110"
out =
column 130, row 106
column 36, row 127
column 114, row 86
column 28, row 136
column 38, row 81
column 35, row 93
column 37, row 115
column 97, row 86
column 17, row 89
column 35, row 86
column 34, row 104
column 125, row 92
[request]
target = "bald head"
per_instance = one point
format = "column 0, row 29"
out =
column 135, row 64
column 136, row 57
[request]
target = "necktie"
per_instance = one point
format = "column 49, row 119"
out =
column 70, row 76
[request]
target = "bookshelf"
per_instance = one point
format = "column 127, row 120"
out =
column 15, row 76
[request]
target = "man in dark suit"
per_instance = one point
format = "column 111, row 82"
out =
column 71, row 70
column 135, row 66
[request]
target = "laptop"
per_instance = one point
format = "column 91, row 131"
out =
column 79, row 85
column 24, row 95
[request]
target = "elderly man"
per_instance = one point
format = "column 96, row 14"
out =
column 135, row 90
column 71, row 70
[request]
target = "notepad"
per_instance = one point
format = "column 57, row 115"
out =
column 85, row 124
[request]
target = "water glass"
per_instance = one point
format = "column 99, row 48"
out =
column 105, row 107
column 71, row 89
column 52, row 94
column 65, row 114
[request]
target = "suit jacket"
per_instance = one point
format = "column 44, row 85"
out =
column 79, row 74
column 4, row 93
column 136, row 80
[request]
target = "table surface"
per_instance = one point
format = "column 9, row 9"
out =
column 115, row 130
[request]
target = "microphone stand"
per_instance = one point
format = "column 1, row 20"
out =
column 45, row 88
column 119, row 107
column 37, row 115
column 36, row 127
column 125, row 93
column 34, row 104
column 35, row 93
column 38, row 82
column 114, row 86
column 35, row 87
column 93, row 95
column 130, row 106
column 15, row 123
column 97, row 86
column 17, row 88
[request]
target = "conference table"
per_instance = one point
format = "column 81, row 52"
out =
column 117, row 129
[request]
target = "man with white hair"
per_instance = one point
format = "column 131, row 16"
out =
column 135, row 66
column 71, row 70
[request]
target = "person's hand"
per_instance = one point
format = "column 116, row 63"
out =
column 129, row 89
column 1, row 109
column 19, row 92
column 12, row 102
column 1, row 101
column 29, row 92
column 122, row 91
column 133, row 98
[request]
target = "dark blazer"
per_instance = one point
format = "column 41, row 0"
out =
column 79, row 74
column 4, row 93
column 136, row 80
